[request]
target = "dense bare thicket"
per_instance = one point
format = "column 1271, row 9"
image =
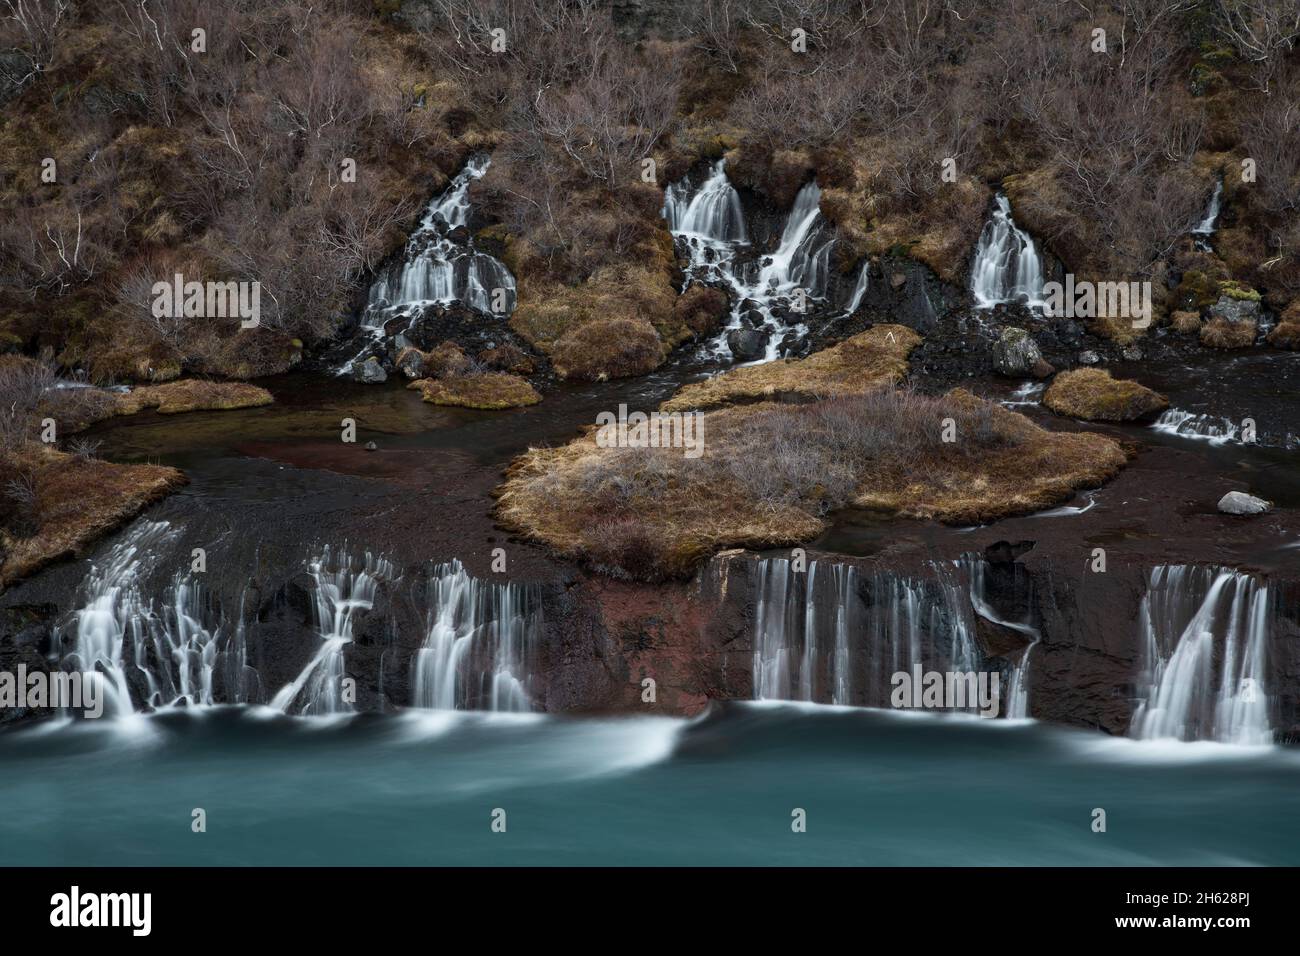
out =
column 579, row 110
column 231, row 132
column 223, row 136
column 1261, row 31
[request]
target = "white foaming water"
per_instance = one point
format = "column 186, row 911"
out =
column 1210, row 428
column 1027, row 393
column 1006, row 265
column 168, row 654
column 478, row 640
column 344, row 586
column 710, row 223
column 1205, row 644
column 1205, row 228
column 817, row 641
column 439, row 269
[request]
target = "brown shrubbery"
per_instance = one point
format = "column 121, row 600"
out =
column 608, row 348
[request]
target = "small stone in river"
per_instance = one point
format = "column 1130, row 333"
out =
column 371, row 446
column 1132, row 354
column 1089, row 357
column 1240, row 503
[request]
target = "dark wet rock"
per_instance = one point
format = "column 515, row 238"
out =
column 1089, row 357
column 1132, row 354
column 1016, row 354
column 1240, row 503
column 1004, row 552
column 371, row 446
column 747, row 344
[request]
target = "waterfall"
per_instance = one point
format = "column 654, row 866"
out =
column 1205, row 228
column 441, row 266
column 479, row 637
column 1018, row 686
column 827, row 634
column 342, row 588
column 1215, row 430
column 798, row 616
column 708, row 223
column 1007, row 267
column 859, row 288
column 159, row 657
column 713, row 213
column 1205, row 637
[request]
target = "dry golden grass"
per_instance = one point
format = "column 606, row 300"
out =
column 76, row 409
column 78, row 500
column 1091, row 394
column 1285, row 335
column 1220, row 333
column 770, row 472
column 490, row 390
column 193, row 395
column 859, row 364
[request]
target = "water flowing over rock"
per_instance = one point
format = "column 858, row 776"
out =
column 1018, row 689
column 441, row 266
column 1205, row 228
column 1006, row 266
column 832, row 635
column 1205, row 639
column 1210, row 428
column 345, row 585
column 860, row 288
column 480, row 636
column 150, row 656
column 709, row 224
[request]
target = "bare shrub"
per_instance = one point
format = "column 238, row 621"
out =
column 23, row 381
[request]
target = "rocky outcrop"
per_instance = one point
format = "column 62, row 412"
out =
column 1233, row 321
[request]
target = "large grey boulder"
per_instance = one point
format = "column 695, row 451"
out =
column 1235, row 310
column 1240, row 503
column 1015, row 353
column 370, row 372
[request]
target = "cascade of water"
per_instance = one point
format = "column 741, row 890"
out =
column 441, row 266
column 1215, row 430
column 815, row 639
column 1018, row 687
column 713, row 213
column 797, row 614
column 709, row 224
column 342, row 589
column 1006, row 265
column 168, row 656
column 1205, row 228
column 1205, row 638
column 859, row 288
column 479, row 638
